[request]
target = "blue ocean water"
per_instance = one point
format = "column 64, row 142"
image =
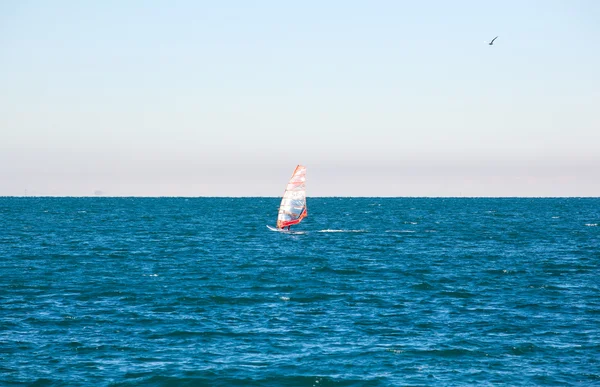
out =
column 365, row 292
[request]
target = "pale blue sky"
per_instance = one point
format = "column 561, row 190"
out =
column 390, row 98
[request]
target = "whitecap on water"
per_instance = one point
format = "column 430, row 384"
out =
column 394, row 350
column 328, row 230
column 591, row 224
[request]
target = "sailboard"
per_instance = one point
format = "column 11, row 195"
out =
column 292, row 208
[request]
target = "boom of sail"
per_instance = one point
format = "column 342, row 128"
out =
column 293, row 203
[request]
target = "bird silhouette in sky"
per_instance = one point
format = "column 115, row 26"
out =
column 492, row 42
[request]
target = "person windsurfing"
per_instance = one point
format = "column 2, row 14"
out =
column 292, row 208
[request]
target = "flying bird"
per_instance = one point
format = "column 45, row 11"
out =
column 492, row 42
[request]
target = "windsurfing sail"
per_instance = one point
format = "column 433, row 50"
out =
column 293, row 203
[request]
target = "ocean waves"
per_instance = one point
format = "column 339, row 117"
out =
column 160, row 292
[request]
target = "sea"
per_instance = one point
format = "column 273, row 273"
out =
column 364, row 292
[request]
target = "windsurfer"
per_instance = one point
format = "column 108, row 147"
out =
column 292, row 208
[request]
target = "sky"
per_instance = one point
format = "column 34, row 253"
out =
column 376, row 98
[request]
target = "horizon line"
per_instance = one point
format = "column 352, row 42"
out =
column 277, row 197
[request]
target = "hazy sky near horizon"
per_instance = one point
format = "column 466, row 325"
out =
column 380, row 98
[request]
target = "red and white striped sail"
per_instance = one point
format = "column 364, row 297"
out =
column 293, row 203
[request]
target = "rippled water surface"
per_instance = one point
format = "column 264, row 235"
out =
column 365, row 292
